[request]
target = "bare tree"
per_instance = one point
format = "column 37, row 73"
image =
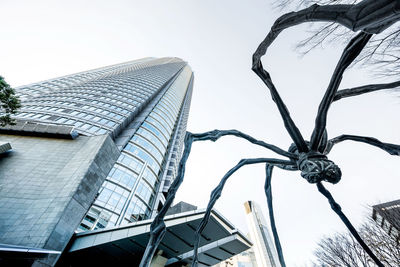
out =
column 382, row 52
column 343, row 250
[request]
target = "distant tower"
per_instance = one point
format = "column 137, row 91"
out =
column 263, row 247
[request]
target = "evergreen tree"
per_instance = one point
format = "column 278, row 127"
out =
column 9, row 103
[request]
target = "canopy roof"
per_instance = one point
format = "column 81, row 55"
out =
column 219, row 241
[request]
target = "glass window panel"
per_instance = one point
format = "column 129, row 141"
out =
column 131, row 162
column 105, row 195
column 101, row 131
column 61, row 120
column 85, row 126
column 156, row 133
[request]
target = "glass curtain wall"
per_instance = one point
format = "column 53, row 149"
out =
column 98, row 101
column 130, row 189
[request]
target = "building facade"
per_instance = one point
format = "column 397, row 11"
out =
column 263, row 246
column 144, row 106
column 387, row 215
column 134, row 188
column 244, row 259
column 115, row 135
column 262, row 253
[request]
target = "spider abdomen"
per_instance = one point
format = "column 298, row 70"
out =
column 316, row 167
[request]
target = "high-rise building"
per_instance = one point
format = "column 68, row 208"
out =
column 134, row 187
column 139, row 108
column 88, row 164
column 144, row 106
column 263, row 247
column 387, row 215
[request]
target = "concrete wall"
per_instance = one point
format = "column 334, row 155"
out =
column 47, row 185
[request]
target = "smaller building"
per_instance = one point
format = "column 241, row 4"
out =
column 387, row 215
column 244, row 259
column 125, row 245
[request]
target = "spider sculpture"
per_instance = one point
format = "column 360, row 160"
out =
column 308, row 157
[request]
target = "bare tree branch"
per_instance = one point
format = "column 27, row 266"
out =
column 343, row 250
column 331, row 33
column 369, row 16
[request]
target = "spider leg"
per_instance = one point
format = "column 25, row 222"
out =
column 392, row 149
column 157, row 227
column 350, row 53
column 216, row 193
column 364, row 89
column 290, row 126
column 384, row 16
column 216, row 134
column 324, row 142
column 338, row 210
column 268, row 194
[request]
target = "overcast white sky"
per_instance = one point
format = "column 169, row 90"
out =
column 46, row 39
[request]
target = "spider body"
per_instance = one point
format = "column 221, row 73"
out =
column 309, row 157
column 316, row 167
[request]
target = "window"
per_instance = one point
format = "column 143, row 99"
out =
column 131, row 162
column 111, row 124
column 93, row 129
column 140, row 153
column 85, row 126
column 394, row 232
column 104, row 195
column 123, row 177
column 386, row 225
column 379, row 219
column 156, row 133
column 148, row 146
column 61, row 120
column 69, row 122
column 102, row 131
column 150, row 177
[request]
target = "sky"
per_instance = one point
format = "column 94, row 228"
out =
column 47, row 39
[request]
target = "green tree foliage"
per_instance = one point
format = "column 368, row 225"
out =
column 9, row 103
